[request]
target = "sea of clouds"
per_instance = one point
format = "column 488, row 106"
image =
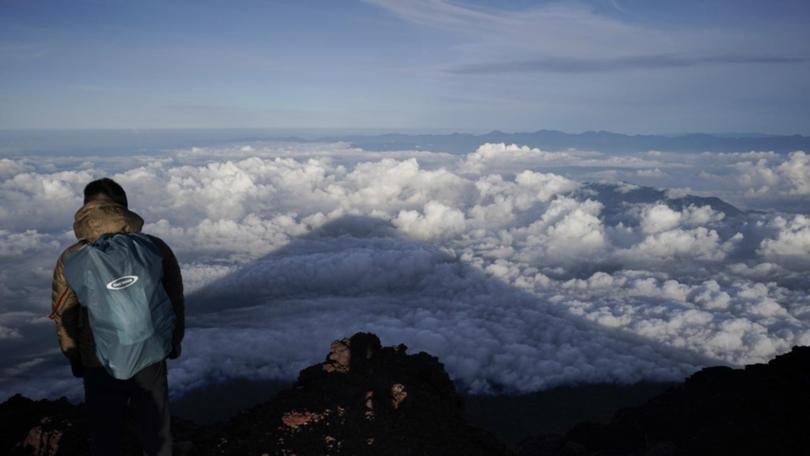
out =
column 520, row 268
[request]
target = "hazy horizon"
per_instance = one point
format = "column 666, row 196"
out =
column 394, row 130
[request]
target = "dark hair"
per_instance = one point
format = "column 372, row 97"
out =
column 107, row 187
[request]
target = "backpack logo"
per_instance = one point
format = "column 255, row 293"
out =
column 122, row 282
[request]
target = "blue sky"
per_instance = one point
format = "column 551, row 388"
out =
column 624, row 65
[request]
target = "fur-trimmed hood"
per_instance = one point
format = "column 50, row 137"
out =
column 102, row 216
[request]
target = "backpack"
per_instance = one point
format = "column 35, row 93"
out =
column 119, row 279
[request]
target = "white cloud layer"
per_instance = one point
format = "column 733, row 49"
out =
column 791, row 245
column 509, row 263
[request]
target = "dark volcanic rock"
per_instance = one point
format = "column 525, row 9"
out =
column 367, row 399
column 41, row 428
column 364, row 399
column 59, row 428
column 763, row 409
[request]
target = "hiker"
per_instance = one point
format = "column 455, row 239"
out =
column 113, row 370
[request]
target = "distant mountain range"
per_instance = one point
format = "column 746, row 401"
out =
column 603, row 141
column 71, row 142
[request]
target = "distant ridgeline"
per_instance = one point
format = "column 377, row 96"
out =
column 144, row 141
column 602, row 141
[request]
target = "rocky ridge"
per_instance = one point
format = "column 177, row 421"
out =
column 762, row 409
column 365, row 399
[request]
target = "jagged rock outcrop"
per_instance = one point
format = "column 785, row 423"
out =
column 363, row 399
column 762, row 409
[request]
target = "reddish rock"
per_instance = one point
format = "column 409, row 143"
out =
column 364, row 399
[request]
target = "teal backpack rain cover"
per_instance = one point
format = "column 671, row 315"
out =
column 119, row 279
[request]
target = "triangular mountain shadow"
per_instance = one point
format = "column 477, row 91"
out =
column 253, row 280
column 361, row 273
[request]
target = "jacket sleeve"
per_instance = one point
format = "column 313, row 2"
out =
column 173, row 284
column 65, row 309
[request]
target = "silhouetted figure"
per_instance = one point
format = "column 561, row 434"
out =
column 108, row 390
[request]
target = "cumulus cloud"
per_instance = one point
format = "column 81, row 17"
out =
column 788, row 177
column 10, row 168
column 660, row 217
column 436, row 221
column 41, row 201
column 14, row 244
column 568, row 229
column 490, row 154
column 796, row 171
column 509, row 262
column 699, row 243
column 791, row 245
column 243, row 237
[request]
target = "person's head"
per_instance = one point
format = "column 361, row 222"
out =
column 105, row 187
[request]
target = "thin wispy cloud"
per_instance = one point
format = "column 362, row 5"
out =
column 641, row 62
column 574, row 35
column 394, row 64
column 604, row 43
column 565, row 27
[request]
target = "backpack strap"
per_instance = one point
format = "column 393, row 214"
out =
column 59, row 303
column 63, row 296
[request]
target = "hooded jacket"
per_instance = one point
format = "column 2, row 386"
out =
column 97, row 217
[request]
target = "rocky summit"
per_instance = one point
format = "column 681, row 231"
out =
column 363, row 399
